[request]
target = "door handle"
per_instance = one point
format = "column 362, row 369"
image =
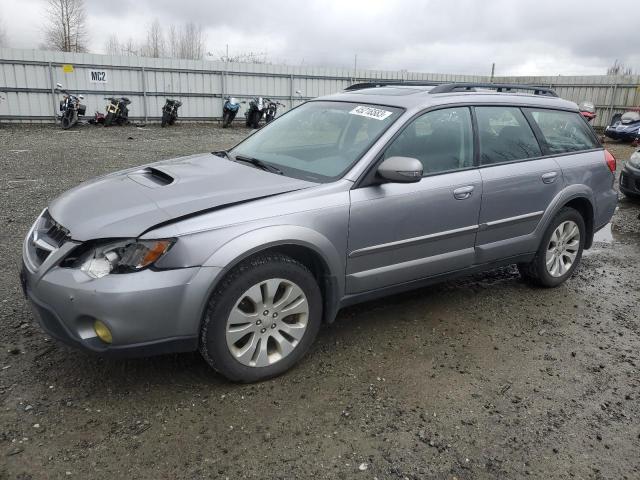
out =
column 463, row 193
column 549, row 177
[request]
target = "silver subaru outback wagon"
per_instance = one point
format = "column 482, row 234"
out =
column 242, row 254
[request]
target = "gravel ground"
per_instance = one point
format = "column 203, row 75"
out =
column 484, row 377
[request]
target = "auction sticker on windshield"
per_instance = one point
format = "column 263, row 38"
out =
column 370, row 112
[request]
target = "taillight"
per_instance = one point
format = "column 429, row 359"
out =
column 611, row 161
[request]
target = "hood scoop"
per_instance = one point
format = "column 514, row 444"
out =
column 152, row 177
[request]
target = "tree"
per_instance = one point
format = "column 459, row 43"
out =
column 154, row 47
column 186, row 42
column 619, row 68
column 3, row 36
column 66, row 28
column 113, row 47
column 243, row 57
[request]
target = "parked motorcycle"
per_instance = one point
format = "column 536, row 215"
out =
column 170, row 112
column 117, row 111
column 254, row 113
column 271, row 110
column 70, row 108
column 230, row 110
column 625, row 126
column 588, row 111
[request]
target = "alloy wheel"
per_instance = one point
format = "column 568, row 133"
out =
column 267, row 322
column 563, row 248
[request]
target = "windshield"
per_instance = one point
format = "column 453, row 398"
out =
column 319, row 141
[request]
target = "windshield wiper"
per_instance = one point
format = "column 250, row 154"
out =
column 258, row 163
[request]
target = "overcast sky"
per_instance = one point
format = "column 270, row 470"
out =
column 523, row 37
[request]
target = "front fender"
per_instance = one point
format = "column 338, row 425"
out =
column 253, row 241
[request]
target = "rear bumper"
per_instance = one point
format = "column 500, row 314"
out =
column 148, row 312
column 630, row 180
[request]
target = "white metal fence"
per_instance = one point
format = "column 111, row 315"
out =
column 28, row 79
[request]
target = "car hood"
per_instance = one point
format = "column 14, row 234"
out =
column 130, row 202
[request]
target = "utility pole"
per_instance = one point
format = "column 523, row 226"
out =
column 227, row 57
column 493, row 71
column 355, row 65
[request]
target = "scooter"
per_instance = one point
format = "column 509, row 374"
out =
column 70, row 108
column 170, row 112
column 230, row 110
column 272, row 110
column 117, row 111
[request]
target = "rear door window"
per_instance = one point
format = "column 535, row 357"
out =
column 564, row 131
column 505, row 135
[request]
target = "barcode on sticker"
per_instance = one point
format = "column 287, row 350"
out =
column 370, row 112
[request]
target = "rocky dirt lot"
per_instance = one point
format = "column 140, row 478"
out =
column 484, row 377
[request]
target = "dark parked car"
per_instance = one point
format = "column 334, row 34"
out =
column 630, row 176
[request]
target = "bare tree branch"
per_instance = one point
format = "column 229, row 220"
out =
column 619, row 68
column 66, row 27
column 186, row 42
column 155, row 41
column 112, row 46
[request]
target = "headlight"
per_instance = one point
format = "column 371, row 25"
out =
column 123, row 257
column 634, row 161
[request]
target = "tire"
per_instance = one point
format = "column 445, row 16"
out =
column 536, row 272
column 108, row 119
column 254, row 119
column 165, row 119
column 226, row 119
column 228, row 298
column 66, row 121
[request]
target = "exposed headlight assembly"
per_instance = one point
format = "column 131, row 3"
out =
column 123, row 256
column 634, row 161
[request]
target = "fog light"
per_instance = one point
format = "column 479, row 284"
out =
column 102, row 331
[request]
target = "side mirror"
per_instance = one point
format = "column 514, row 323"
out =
column 59, row 85
column 81, row 97
column 401, row 169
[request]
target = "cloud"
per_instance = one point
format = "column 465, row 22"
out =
column 459, row 36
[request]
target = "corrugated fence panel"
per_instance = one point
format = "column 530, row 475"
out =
column 28, row 76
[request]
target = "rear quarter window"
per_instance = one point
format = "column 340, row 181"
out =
column 564, row 132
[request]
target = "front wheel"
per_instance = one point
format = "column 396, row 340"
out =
column 108, row 119
column 560, row 251
column 254, row 118
column 261, row 319
column 165, row 119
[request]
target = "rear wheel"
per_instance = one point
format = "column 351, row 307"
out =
column 254, row 119
column 262, row 318
column 560, row 251
column 226, row 119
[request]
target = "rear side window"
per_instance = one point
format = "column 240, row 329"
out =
column 505, row 135
column 564, row 131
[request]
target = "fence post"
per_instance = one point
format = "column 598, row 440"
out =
column 144, row 94
column 53, row 93
column 291, row 91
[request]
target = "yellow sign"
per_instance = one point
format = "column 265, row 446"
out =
column 67, row 68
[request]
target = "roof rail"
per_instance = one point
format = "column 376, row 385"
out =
column 392, row 83
column 498, row 87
